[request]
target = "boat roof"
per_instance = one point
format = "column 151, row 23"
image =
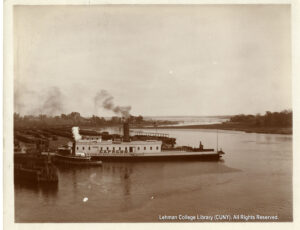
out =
column 149, row 142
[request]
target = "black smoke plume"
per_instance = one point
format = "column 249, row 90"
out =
column 49, row 103
column 53, row 102
column 105, row 100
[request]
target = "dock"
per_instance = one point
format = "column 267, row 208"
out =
column 149, row 134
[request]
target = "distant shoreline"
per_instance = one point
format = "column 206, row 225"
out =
column 233, row 127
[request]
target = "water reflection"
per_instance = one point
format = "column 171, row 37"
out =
column 123, row 171
column 124, row 178
column 47, row 190
column 272, row 139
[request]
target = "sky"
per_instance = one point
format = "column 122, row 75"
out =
column 159, row 60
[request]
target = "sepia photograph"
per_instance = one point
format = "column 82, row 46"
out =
column 172, row 113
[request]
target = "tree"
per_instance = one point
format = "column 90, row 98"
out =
column 139, row 119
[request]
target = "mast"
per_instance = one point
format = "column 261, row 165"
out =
column 217, row 140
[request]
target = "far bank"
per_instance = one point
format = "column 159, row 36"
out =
column 233, row 126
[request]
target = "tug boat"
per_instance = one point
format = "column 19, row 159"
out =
column 80, row 160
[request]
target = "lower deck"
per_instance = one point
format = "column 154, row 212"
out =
column 162, row 153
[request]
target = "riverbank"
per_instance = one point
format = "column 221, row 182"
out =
column 235, row 127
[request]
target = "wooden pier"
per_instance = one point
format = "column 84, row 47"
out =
column 149, row 134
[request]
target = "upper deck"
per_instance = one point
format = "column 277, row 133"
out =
column 95, row 147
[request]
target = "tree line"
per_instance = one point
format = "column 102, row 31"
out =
column 75, row 119
column 269, row 119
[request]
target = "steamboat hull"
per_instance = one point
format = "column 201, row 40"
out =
column 160, row 157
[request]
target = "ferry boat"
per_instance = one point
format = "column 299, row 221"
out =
column 137, row 150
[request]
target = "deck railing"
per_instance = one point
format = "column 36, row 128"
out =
column 149, row 134
column 114, row 153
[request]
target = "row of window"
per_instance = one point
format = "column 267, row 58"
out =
column 113, row 148
column 91, row 138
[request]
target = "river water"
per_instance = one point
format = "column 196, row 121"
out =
column 190, row 120
column 254, row 178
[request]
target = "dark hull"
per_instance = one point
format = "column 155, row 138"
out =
column 184, row 157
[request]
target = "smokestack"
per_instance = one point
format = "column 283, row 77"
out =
column 73, row 148
column 126, row 136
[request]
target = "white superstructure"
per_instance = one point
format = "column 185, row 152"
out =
column 94, row 147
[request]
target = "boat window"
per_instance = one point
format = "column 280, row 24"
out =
column 101, row 148
column 107, row 148
column 150, row 148
column 144, row 148
column 82, row 148
column 77, row 148
column 119, row 148
column 138, row 148
column 89, row 148
column 156, row 147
